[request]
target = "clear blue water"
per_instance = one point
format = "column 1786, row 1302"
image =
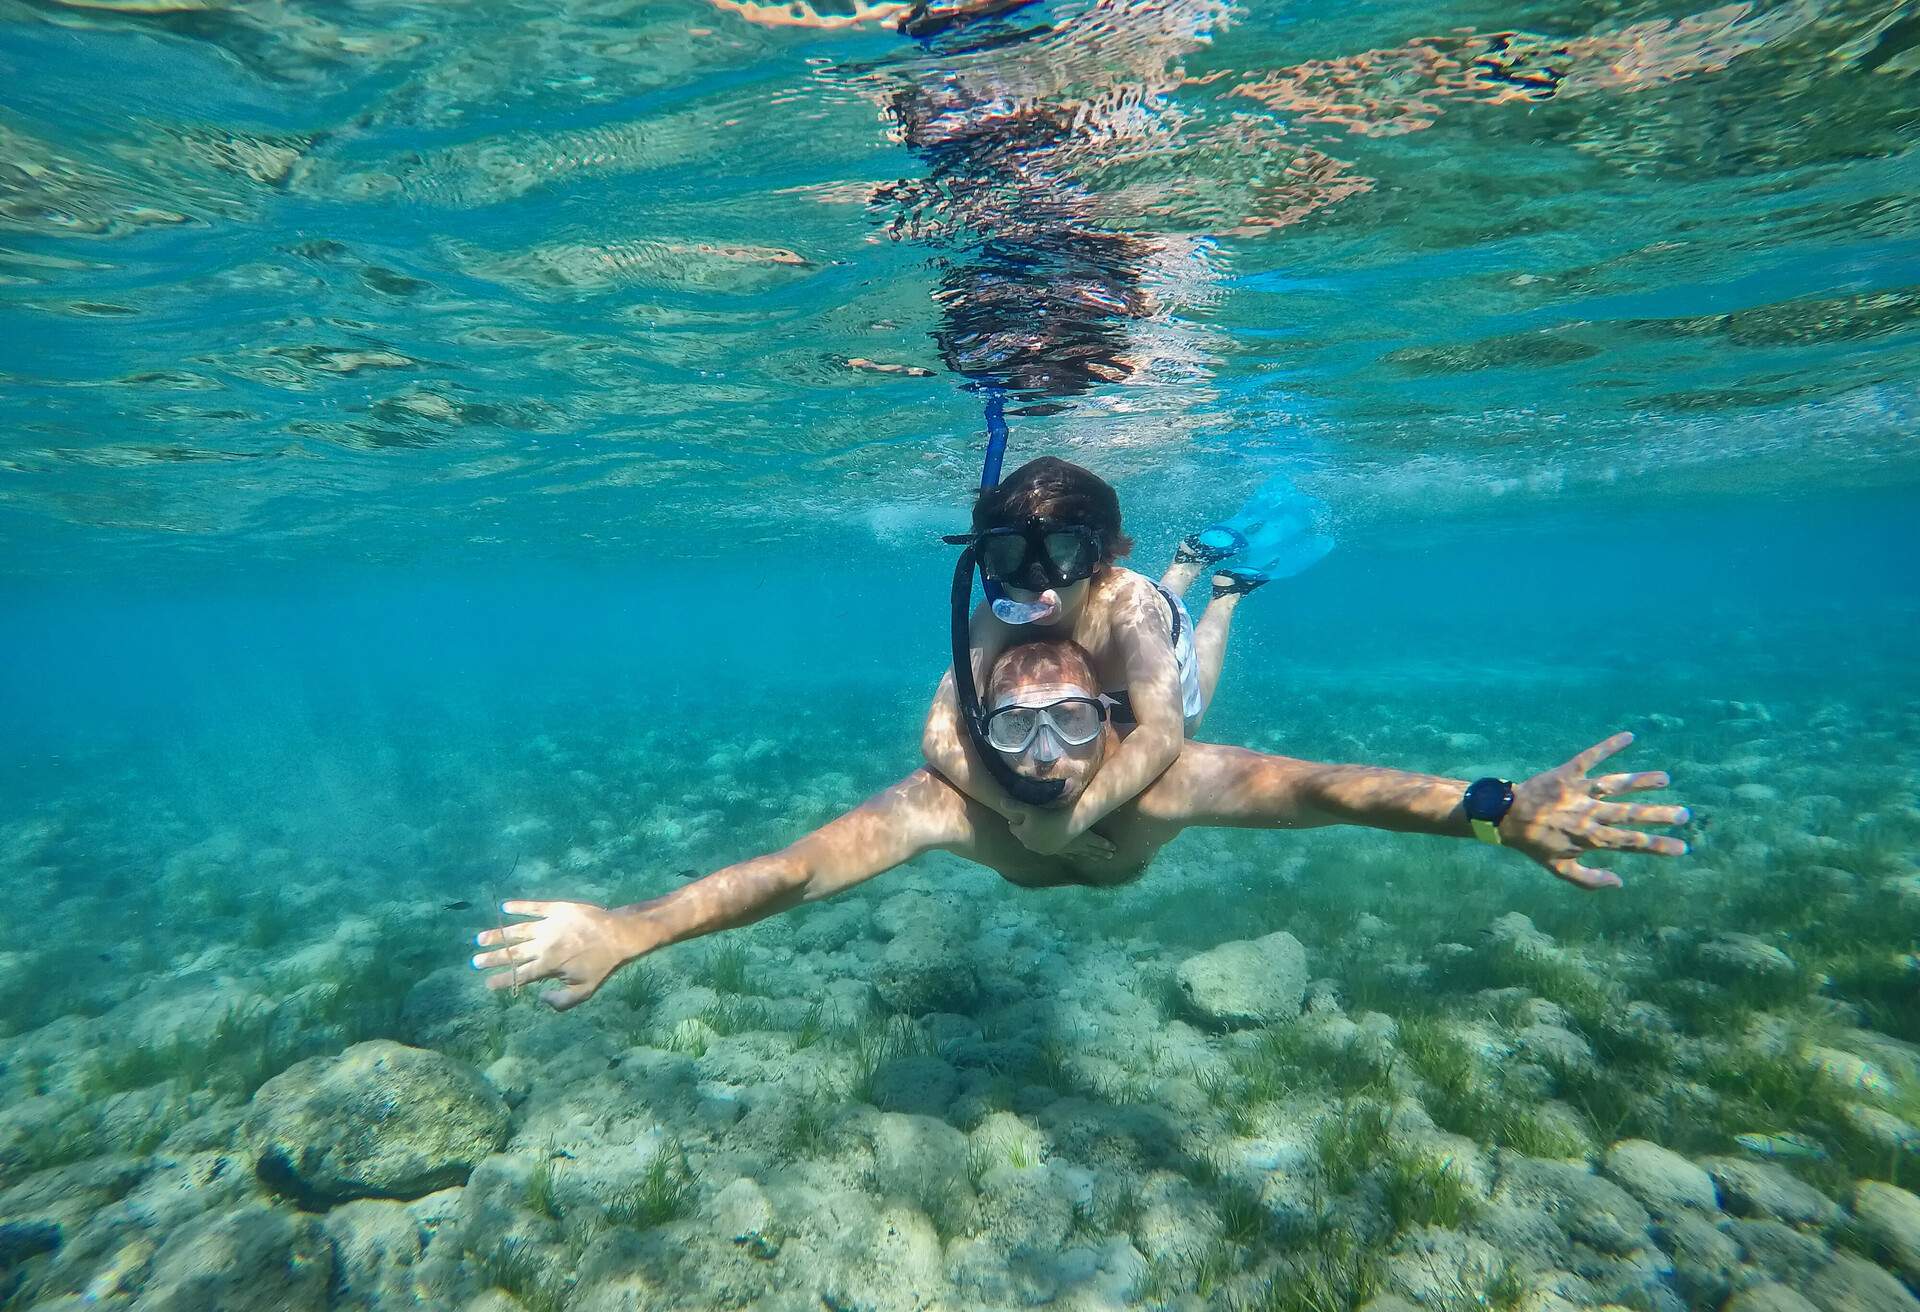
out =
column 457, row 453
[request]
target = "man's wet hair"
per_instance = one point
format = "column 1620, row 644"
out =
column 1044, row 660
column 1053, row 489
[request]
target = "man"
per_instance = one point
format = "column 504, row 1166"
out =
column 1048, row 722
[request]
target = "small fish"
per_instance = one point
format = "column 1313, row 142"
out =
column 688, row 873
column 459, row 905
column 1781, row 1145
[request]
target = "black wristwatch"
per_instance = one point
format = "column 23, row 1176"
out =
column 1486, row 803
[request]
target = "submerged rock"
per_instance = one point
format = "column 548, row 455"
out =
column 379, row 1120
column 1768, row 1296
column 1761, row 1189
column 1847, row 1070
column 1885, row 1130
column 1743, row 954
column 925, row 970
column 1591, row 1210
column 376, row 1244
column 20, row 1240
column 1663, row 1180
column 254, row 1258
column 1247, row 982
column 921, row 1086
column 1890, row 1217
column 1853, row 1284
column 1515, row 932
column 1705, row 1259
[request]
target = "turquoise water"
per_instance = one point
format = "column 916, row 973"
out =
column 461, row 453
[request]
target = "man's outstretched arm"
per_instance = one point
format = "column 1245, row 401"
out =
column 1558, row 815
column 580, row 944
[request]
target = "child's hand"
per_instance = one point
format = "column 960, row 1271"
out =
column 577, row 943
column 1560, row 815
column 1047, row 833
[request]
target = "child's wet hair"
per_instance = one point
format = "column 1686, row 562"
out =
column 1052, row 489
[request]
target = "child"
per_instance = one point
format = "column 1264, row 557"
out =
column 1050, row 535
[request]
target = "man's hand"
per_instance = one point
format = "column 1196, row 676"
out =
column 1560, row 815
column 577, row 943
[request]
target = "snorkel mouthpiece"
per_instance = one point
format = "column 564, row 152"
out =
column 1008, row 611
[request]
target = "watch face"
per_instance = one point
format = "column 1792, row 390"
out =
column 1488, row 799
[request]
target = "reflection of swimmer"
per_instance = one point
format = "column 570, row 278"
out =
column 1011, row 109
column 1047, row 723
column 1055, row 148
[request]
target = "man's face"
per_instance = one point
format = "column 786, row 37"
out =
column 1049, row 755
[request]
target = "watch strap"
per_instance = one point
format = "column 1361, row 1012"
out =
column 1486, row 831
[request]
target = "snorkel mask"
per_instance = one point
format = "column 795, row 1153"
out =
column 1033, row 557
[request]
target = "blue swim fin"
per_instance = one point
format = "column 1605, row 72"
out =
column 1273, row 536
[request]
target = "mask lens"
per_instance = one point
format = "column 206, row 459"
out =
column 1003, row 556
column 1011, row 729
column 1076, row 722
column 1072, row 553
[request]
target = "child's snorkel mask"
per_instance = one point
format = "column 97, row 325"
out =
column 1030, row 545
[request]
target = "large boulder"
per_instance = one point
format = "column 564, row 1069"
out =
column 379, row 1120
column 1247, row 982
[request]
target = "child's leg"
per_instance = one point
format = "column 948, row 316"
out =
column 1183, row 571
column 1210, row 640
column 1179, row 576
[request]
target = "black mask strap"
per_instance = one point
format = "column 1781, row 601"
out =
column 1033, row 792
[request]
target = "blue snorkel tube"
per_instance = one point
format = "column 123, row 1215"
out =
column 1006, row 608
column 1033, row 792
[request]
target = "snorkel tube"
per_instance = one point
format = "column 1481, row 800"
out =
column 1033, row 792
column 1005, row 608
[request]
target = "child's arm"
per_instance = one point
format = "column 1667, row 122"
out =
column 1139, row 634
column 580, row 944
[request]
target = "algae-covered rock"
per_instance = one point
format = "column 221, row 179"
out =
column 379, row 1120
column 1742, row 954
column 376, row 1243
column 923, row 971
column 1247, row 982
column 921, row 1086
column 1515, row 932
column 1704, row 1258
column 1762, row 1189
column 448, row 1008
column 254, row 1258
column 1663, row 1180
column 1591, row 1210
column 1890, row 1217
column 1853, row 1284
column 1768, row 1296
